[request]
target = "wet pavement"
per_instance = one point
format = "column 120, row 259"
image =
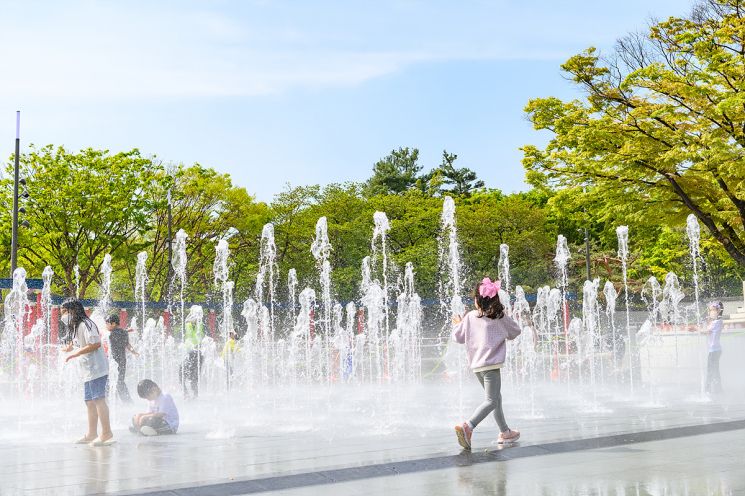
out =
column 570, row 445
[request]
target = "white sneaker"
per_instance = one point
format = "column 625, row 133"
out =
column 146, row 430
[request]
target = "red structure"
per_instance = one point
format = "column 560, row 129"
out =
column 54, row 324
column 123, row 318
column 212, row 323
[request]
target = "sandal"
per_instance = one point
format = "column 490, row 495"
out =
column 99, row 442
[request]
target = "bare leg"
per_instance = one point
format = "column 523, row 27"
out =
column 103, row 414
column 92, row 421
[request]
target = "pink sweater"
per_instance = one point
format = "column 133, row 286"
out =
column 485, row 338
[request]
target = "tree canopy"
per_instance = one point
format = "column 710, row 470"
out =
column 661, row 132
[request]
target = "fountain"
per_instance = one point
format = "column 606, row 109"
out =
column 12, row 347
column 76, row 275
column 622, row 232
column 504, row 266
column 221, row 270
column 694, row 237
column 649, row 337
column 179, row 264
column 104, row 298
column 292, row 293
column 609, row 291
column 303, row 351
column 406, row 338
column 266, row 279
column 592, row 337
column 451, row 290
column 141, row 286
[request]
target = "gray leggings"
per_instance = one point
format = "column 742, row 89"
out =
column 491, row 380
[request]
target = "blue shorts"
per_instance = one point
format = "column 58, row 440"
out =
column 96, row 389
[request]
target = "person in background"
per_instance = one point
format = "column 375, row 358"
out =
column 119, row 342
column 191, row 367
column 228, row 355
column 714, row 330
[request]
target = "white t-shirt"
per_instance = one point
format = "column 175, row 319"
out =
column 94, row 364
column 164, row 404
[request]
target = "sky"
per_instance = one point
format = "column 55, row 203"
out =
column 278, row 92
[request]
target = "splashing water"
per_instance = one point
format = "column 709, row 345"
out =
column 12, row 344
column 651, row 295
column 563, row 255
column 266, row 279
column 104, row 297
column 141, row 284
column 179, row 264
column 693, row 231
column 504, row 266
column 321, row 250
column 221, row 271
column 591, row 326
column 622, row 233
column 378, row 246
column 647, row 336
column 451, row 298
column 611, row 296
column 292, row 293
column 406, row 339
column 76, row 275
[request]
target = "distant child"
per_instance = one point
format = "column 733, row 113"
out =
column 162, row 415
column 191, row 366
column 228, row 353
column 119, row 339
column 85, row 340
column 189, row 372
column 484, row 332
column 714, row 330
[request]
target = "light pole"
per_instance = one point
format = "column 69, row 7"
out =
column 14, row 238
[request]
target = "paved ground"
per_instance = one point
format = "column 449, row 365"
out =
column 570, row 446
column 710, row 464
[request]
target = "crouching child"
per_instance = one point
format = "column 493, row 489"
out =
column 162, row 415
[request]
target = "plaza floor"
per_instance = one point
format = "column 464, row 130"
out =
column 570, row 445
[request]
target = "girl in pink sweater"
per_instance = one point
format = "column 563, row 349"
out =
column 484, row 331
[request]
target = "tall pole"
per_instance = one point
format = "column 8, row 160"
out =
column 14, row 239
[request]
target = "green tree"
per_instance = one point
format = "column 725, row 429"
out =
column 394, row 173
column 462, row 181
column 488, row 219
column 414, row 218
column 662, row 130
column 208, row 207
column 82, row 206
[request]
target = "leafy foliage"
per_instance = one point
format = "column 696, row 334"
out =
column 661, row 133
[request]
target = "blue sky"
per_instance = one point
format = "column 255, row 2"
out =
column 299, row 92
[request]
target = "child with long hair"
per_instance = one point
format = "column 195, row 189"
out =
column 484, row 331
column 84, row 341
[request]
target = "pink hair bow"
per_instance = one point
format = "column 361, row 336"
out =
column 489, row 288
